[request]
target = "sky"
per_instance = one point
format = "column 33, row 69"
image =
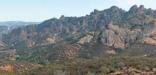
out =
column 40, row 10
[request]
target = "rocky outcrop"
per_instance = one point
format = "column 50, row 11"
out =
column 86, row 39
column 118, row 37
column 151, row 36
column 150, row 41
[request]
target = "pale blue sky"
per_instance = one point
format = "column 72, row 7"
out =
column 39, row 10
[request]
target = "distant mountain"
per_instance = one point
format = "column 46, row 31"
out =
column 101, row 32
column 15, row 24
column 18, row 23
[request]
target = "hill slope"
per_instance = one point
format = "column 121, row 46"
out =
column 101, row 32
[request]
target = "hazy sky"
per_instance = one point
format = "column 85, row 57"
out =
column 39, row 10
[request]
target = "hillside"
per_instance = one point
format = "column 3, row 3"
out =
column 102, row 43
column 107, row 31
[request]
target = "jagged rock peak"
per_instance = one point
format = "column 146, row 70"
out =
column 62, row 17
column 134, row 7
column 115, row 8
column 95, row 11
column 141, row 7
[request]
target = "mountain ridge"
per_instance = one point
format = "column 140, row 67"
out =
column 97, row 34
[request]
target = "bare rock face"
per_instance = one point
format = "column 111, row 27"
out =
column 114, row 39
column 2, row 45
column 85, row 39
column 51, row 40
column 151, row 37
column 150, row 41
column 118, row 37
